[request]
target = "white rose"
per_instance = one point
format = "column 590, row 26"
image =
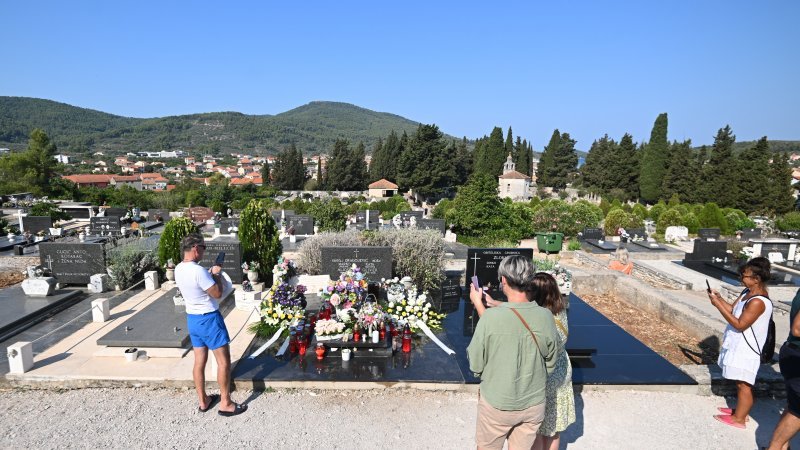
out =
column 408, row 308
column 427, row 305
column 416, row 308
column 391, row 304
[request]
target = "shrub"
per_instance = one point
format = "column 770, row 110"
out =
column 441, row 208
column 310, row 258
column 520, row 221
column 789, row 221
column 586, row 214
column 712, row 217
column 668, row 218
column 691, row 222
column 216, row 205
column 169, row 246
column 563, row 195
column 329, row 215
column 127, row 264
column 605, row 206
column 744, row 224
column 476, row 210
column 617, row 218
column 44, row 208
column 555, row 215
column 418, row 254
column 639, row 211
column 573, row 245
column 259, row 236
column 656, row 210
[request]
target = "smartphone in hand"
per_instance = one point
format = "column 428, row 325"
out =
column 708, row 286
column 220, row 259
column 475, row 283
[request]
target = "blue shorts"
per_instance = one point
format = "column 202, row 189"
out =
column 207, row 330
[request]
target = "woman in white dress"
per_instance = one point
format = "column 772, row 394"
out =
column 748, row 322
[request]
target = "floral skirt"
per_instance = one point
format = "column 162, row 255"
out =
column 559, row 410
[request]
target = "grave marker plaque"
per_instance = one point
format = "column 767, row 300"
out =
column 233, row 256
column 276, row 215
column 751, row 233
column 303, row 225
column 637, row 233
column 407, row 215
column 227, row 223
column 114, row 211
column 102, row 226
column 708, row 233
column 431, row 224
column 375, row 262
column 73, row 263
column 374, row 215
column 484, row 262
column 199, row 214
column 707, row 250
column 35, row 224
column 593, row 233
column 153, row 214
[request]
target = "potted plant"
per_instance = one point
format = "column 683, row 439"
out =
column 251, row 268
column 56, row 230
column 170, row 270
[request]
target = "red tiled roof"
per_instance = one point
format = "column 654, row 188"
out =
column 514, row 175
column 170, row 187
column 124, row 178
column 88, row 178
column 383, row 183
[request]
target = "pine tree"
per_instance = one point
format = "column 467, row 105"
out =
column 265, row 180
column 493, row 154
column 625, row 164
column 509, row 146
column 781, row 183
column 680, row 179
column 654, row 158
column 754, row 169
column 560, row 161
column 377, row 166
column 721, row 178
column 546, row 162
column 426, row 165
column 595, row 171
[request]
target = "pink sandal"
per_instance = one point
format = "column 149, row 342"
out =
column 730, row 412
column 728, row 420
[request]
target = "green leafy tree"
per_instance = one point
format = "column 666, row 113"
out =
column 428, row 165
column 654, row 161
column 476, row 210
column 329, row 215
column 259, row 236
column 558, row 161
column 169, row 245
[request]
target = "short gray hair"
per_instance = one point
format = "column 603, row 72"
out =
column 190, row 241
column 519, row 272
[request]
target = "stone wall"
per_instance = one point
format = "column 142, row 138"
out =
column 646, row 274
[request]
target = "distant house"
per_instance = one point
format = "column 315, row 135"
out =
column 512, row 184
column 133, row 181
column 382, row 188
column 84, row 180
column 63, row 159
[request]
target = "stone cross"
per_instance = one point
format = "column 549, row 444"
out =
column 50, row 263
column 475, row 266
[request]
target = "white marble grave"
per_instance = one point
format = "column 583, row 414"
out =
column 39, row 287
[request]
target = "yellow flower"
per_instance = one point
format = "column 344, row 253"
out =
column 283, row 316
column 275, row 315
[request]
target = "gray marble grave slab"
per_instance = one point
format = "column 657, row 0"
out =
column 375, row 262
column 19, row 309
column 160, row 324
column 73, row 263
column 483, row 263
column 35, row 224
column 302, row 224
column 233, row 256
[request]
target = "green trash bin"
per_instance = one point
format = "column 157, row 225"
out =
column 549, row 242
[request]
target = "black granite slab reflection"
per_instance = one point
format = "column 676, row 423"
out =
column 19, row 311
column 426, row 363
column 8, row 244
column 604, row 245
column 648, row 246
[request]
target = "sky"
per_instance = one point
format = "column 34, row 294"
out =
column 588, row 68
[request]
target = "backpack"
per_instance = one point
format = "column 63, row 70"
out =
column 768, row 349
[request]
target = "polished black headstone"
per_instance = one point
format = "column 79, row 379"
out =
column 601, row 245
column 8, row 244
column 751, row 233
column 73, row 263
column 102, row 226
column 153, row 214
column 768, row 247
column 636, row 233
column 77, row 211
column 593, row 233
column 115, row 211
column 707, row 250
column 431, row 224
column 226, row 223
column 35, row 224
column 276, row 215
column 375, row 262
column 484, row 262
column 20, row 311
column 647, row 245
column 374, row 215
column 708, row 233
column 407, row 215
column 302, row 224
column 233, row 256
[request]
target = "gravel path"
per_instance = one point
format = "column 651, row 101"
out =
column 412, row 419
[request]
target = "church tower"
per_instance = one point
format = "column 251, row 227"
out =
column 509, row 166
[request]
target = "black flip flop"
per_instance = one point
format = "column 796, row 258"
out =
column 212, row 400
column 238, row 409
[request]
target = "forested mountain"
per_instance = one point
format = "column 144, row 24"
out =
column 312, row 128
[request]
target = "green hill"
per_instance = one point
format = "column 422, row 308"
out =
column 313, row 128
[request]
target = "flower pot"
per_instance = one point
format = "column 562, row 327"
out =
column 171, row 274
column 56, row 231
column 346, row 354
column 131, row 354
column 252, row 276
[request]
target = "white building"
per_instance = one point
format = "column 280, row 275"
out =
column 512, row 184
column 63, row 159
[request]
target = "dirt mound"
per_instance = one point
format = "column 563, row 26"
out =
column 9, row 278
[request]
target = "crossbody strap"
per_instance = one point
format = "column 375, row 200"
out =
column 535, row 341
column 758, row 347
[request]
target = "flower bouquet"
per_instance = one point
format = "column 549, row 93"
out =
column 408, row 306
column 283, row 305
column 348, row 291
column 285, row 269
column 251, row 266
column 329, row 329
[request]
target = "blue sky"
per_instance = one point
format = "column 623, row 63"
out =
column 585, row 67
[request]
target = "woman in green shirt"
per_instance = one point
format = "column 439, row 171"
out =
column 513, row 349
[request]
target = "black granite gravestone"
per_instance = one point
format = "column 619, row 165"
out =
column 593, row 233
column 73, row 263
column 276, row 215
column 707, row 250
column 154, row 214
column 35, row 224
column 102, row 226
column 431, row 224
column 407, row 215
column 79, row 211
column 233, row 256
column 8, row 244
column 636, row 233
column 484, row 262
column 375, row 262
column 783, row 248
column 303, row 225
column 374, row 215
column 708, row 233
column 114, row 211
column 751, row 233
column 226, row 223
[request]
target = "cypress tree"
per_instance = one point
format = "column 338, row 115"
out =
column 546, row 162
column 377, row 166
column 653, row 164
column 320, row 180
column 680, row 178
column 491, row 155
column 626, row 167
column 265, row 181
column 781, row 184
column 721, row 178
column 509, row 147
column 358, row 166
column 753, row 170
